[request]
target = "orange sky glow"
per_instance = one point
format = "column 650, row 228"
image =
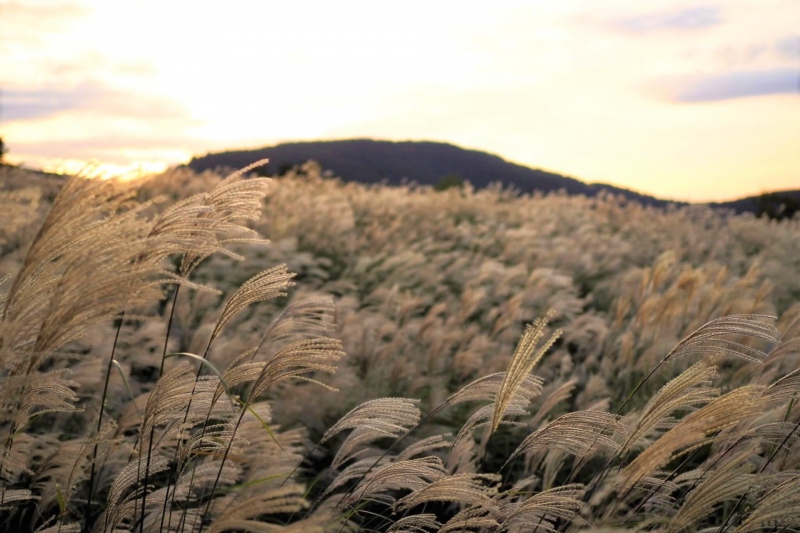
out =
column 682, row 100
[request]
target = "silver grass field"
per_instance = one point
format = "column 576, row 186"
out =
column 200, row 353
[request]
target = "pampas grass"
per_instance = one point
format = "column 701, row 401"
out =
column 396, row 360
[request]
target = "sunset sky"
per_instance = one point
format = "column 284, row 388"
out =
column 682, row 100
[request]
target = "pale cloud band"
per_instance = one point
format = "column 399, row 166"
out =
column 87, row 97
column 730, row 85
column 693, row 18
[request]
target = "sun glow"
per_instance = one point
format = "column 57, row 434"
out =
column 98, row 169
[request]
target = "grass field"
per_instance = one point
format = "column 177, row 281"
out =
column 394, row 359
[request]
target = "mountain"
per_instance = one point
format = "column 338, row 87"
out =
column 369, row 161
column 433, row 163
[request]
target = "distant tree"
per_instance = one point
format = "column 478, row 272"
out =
column 777, row 206
column 284, row 168
column 449, row 181
column 262, row 172
column 3, row 151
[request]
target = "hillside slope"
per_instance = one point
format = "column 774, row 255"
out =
column 369, row 161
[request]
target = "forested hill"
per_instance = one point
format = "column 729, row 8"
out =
column 776, row 205
column 427, row 163
column 433, row 163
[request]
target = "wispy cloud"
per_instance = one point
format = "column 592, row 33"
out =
column 93, row 65
column 29, row 24
column 684, row 19
column 87, row 97
column 42, row 15
column 115, row 150
column 789, row 47
column 730, row 85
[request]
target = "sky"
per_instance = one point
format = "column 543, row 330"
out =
column 684, row 100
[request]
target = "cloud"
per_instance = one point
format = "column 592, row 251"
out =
column 30, row 24
column 118, row 149
column 93, row 65
column 43, row 15
column 789, row 47
column 729, row 85
column 86, row 97
column 685, row 19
